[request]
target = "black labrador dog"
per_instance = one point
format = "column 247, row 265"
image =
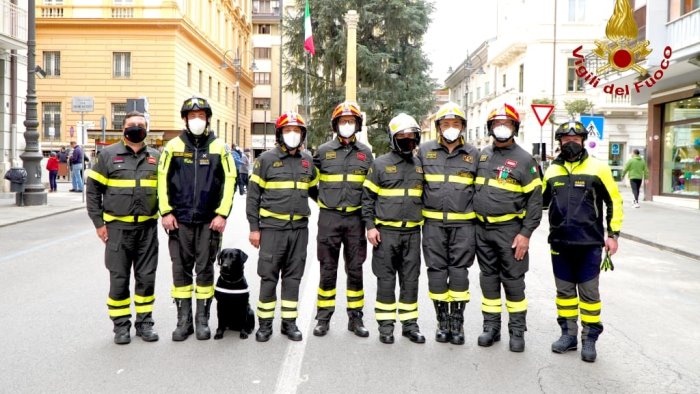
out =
column 232, row 295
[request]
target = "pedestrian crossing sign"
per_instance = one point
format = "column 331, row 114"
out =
column 594, row 125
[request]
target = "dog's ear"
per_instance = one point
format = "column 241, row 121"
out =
column 243, row 256
column 218, row 258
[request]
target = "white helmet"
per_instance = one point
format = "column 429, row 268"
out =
column 403, row 123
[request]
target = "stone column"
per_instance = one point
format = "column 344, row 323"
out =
column 351, row 18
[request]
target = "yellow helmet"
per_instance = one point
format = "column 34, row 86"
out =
column 449, row 110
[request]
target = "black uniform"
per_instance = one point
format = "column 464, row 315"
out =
column 508, row 202
column 342, row 170
column 278, row 207
column 392, row 202
column 122, row 193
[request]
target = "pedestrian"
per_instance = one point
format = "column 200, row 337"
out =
column 237, row 160
column 449, row 240
column 242, row 170
column 76, row 167
column 123, row 206
column 195, row 178
column 63, row 162
column 278, row 213
column 391, row 209
column 575, row 188
column 52, row 167
column 637, row 169
column 342, row 163
column 508, row 205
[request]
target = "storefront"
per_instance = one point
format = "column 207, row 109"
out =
column 680, row 169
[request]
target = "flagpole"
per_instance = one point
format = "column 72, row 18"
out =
column 306, row 96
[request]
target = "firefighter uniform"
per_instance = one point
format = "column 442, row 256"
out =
column 392, row 203
column 122, row 193
column 278, row 207
column 449, row 243
column 507, row 202
column 342, row 170
column 575, row 193
column 195, row 183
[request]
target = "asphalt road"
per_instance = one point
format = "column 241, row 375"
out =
column 56, row 336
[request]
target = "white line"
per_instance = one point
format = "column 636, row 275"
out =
column 44, row 245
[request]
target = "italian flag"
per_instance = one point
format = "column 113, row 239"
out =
column 308, row 35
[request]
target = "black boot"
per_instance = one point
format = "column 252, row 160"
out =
column 121, row 332
column 457, row 322
column 517, row 341
column 588, row 352
column 356, row 325
column 412, row 332
column 321, row 328
column 490, row 335
column 201, row 319
column 146, row 332
column 290, row 329
column 442, row 334
column 264, row 330
column 565, row 343
column 386, row 331
column 184, row 319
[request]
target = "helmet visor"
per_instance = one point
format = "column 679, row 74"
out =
column 194, row 103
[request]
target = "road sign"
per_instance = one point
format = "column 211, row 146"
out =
column 594, row 125
column 542, row 112
column 83, row 104
column 615, row 149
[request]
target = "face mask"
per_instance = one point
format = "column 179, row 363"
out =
column 292, row 140
column 346, row 130
column 451, row 134
column 571, row 151
column 197, row 126
column 502, row 133
column 135, row 134
column 406, row 145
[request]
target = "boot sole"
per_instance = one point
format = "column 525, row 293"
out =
column 147, row 339
column 359, row 334
column 489, row 343
column 560, row 351
column 588, row 359
column 320, row 333
column 258, row 339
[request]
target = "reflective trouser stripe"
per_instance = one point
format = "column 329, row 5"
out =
column 384, row 311
column 439, row 297
column 120, row 312
column 516, row 306
column 325, row 303
column 459, row 295
column 408, row 311
column 204, row 292
column 144, row 304
column 355, row 298
column 567, row 307
column 266, row 310
column 182, row 291
column 590, row 312
column 289, row 309
column 326, row 293
column 144, row 308
column 491, row 305
column 356, row 304
column 119, row 308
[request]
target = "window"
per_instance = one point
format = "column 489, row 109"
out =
column 478, row 94
column 201, row 82
column 678, row 8
column 577, row 10
column 573, row 82
column 521, row 78
column 265, row 6
column 681, row 148
column 189, row 75
column 262, row 53
column 52, row 63
column 264, row 29
column 504, row 80
column 118, row 114
column 261, row 103
column 487, row 89
column 121, row 65
column 52, row 119
column 218, row 91
column 226, row 96
column 262, row 78
column 209, row 94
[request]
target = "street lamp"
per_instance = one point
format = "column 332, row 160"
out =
column 266, row 106
column 238, row 68
column 469, row 70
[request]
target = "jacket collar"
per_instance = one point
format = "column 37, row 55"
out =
column 560, row 160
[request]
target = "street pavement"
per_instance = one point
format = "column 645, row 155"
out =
column 58, row 336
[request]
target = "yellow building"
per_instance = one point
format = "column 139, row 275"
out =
column 152, row 54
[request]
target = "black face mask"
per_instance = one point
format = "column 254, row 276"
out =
column 135, row 134
column 571, row 151
column 406, row 146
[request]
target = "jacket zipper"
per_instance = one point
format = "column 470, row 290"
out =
column 194, row 187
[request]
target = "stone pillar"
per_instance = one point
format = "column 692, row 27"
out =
column 351, row 18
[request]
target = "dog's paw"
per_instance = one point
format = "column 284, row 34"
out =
column 243, row 335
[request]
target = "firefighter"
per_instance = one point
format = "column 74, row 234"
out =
column 278, row 213
column 195, row 189
column 508, row 205
column 391, row 208
column 123, row 205
column 575, row 188
column 449, row 243
column 342, row 164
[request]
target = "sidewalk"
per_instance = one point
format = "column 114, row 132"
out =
column 664, row 226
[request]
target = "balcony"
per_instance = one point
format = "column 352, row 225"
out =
column 684, row 31
column 13, row 26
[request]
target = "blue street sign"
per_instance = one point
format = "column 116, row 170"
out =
column 594, row 125
column 615, row 149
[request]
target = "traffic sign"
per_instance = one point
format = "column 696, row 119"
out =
column 615, row 149
column 542, row 112
column 83, row 104
column 594, row 125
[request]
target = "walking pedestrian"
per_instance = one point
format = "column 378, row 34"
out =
column 278, row 213
column 123, row 206
column 52, row 167
column 342, row 164
column 76, row 167
column 508, row 205
column 449, row 240
column 575, row 188
column 63, row 163
column 245, row 170
column 391, row 209
column 195, row 192
column 637, row 169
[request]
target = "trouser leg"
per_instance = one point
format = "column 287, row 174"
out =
column 145, row 265
column 407, row 261
column 329, row 240
column 635, row 184
column 354, row 254
column 272, row 252
column 512, row 275
column 489, row 278
column 384, row 270
column 118, row 262
column 436, row 252
column 462, row 250
column 293, row 270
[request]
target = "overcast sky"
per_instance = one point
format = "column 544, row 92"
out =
column 457, row 26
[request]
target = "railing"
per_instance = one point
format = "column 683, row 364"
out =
column 55, row 11
column 684, row 31
column 122, row 12
column 615, row 100
column 13, row 21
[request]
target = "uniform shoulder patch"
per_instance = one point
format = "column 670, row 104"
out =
column 330, row 155
column 468, row 158
column 431, row 155
column 390, row 169
column 511, row 163
column 117, row 159
column 483, row 158
column 257, row 164
column 419, row 170
column 305, row 163
column 278, row 164
column 361, row 156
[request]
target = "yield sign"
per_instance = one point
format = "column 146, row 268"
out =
column 542, row 112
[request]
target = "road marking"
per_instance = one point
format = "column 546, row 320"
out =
column 44, row 245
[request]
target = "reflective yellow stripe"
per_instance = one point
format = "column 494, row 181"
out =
column 113, row 302
column 415, row 192
column 268, row 214
column 408, row 307
column 439, row 297
column 355, row 178
column 144, row 308
column 280, row 185
column 265, row 314
column 289, row 314
column 182, row 292
column 144, row 299
column 355, row 293
column 325, row 303
column 289, row 304
column 503, row 218
column 450, row 215
column 391, row 192
column 459, row 295
column 258, row 180
column 204, row 292
column 121, row 182
column 331, row 177
column 408, row 315
column 128, row 219
column 119, row 312
column 313, row 182
column 532, row 185
column 326, row 293
column 148, row 183
column 491, row 309
column 356, row 304
column 567, row 312
column 267, row 305
column 466, row 180
column 385, row 316
column 516, row 306
column 434, row 177
column 567, row 301
column 342, row 209
column 97, row 177
column 480, row 180
column 491, row 305
column 371, row 186
column 398, row 224
column 590, row 307
column 590, row 319
column 385, row 307
column 491, row 301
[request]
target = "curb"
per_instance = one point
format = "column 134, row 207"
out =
column 671, row 249
column 66, row 210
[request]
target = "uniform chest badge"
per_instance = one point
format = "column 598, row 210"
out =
column 117, row 159
column 390, row 169
column 431, row 155
column 361, row 156
column 330, row 155
column 483, row 158
column 203, row 162
column 419, row 170
column 503, row 173
column 277, row 164
column 151, row 160
column 579, row 183
column 468, row 158
column 305, row 163
column 511, row 163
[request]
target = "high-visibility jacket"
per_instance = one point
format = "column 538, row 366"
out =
column 392, row 193
column 508, row 188
column 342, row 171
column 196, row 178
column 279, row 190
column 122, row 186
column 575, row 193
column 448, row 186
